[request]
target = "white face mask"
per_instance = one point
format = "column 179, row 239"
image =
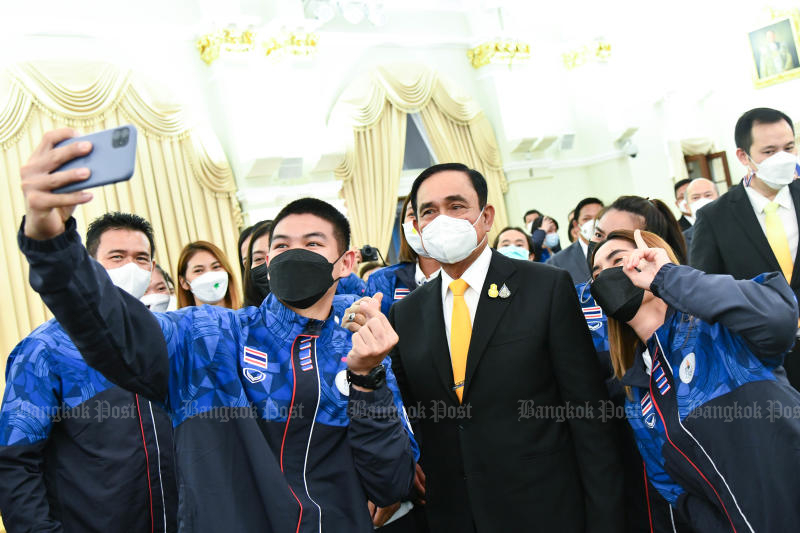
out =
column 776, row 171
column 514, row 252
column 683, row 207
column 130, row 278
column 697, row 204
column 587, row 229
column 210, row 287
column 413, row 238
column 450, row 240
column 156, row 301
column 173, row 303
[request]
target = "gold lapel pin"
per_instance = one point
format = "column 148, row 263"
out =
column 493, row 290
column 504, row 292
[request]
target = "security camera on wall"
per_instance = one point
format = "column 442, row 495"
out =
column 630, row 149
column 625, row 143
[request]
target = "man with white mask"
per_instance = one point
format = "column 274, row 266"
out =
column 752, row 228
column 573, row 258
column 489, row 351
column 71, row 442
column 699, row 193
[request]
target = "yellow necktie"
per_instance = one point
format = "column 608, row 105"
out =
column 776, row 236
column 460, row 334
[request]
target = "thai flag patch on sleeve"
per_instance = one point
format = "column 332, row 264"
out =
column 399, row 294
column 255, row 357
column 592, row 313
column 661, row 378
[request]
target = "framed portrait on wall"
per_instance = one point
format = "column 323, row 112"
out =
column 774, row 48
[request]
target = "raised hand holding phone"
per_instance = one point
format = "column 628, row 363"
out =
column 46, row 211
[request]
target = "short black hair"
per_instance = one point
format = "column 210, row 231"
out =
column 477, row 179
column 321, row 209
column 743, row 133
column 576, row 214
column 531, row 212
column 681, row 183
column 117, row 220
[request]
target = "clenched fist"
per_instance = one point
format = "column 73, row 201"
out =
column 374, row 337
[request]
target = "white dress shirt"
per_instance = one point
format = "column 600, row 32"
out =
column 475, row 275
column 584, row 247
column 421, row 278
column 786, row 213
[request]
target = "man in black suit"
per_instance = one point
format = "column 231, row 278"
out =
column 686, row 219
column 573, row 257
column 491, row 354
column 752, row 228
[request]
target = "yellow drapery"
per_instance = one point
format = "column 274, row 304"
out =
column 183, row 184
column 457, row 128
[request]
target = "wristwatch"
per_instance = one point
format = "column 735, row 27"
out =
column 374, row 380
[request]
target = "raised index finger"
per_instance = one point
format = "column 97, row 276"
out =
column 640, row 244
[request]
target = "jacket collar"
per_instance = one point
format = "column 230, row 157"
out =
column 638, row 375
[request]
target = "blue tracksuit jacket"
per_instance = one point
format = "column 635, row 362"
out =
column 72, row 442
column 714, row 418
column 395, row 282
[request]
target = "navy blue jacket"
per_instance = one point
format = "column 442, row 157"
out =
column 268, row 435
column 395, row 282
column 715, row 420
column 71, row 442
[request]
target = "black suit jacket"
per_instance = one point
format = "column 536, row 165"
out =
column 684, row 223
column 506, row 460
column 573, row 261
column 727, row 239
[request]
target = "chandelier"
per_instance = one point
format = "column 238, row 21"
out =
column 238, row 41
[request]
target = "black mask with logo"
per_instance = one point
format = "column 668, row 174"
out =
column 616, row 294
column 259, row 277
column 299, row 278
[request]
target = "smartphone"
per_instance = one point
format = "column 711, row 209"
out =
column 112, row 159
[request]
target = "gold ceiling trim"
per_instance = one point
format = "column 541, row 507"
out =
column 230, row 40
column 499, row 51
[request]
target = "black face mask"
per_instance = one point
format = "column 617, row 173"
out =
column 299, row 278
column 616, row 294
column 259, row 276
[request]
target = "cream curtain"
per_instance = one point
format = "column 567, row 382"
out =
column 182, row 184
column 379, row 158
column 678, row 149
column 458, row 130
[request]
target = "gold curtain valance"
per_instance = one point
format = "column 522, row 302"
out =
column 182, row 183
column 457, row 128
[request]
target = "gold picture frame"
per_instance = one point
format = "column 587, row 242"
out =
column 775, row 49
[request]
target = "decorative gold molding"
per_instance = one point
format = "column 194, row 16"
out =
column 596, row 51
column 500, row 51
column 231, row 40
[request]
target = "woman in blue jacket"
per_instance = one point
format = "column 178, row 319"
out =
column 700, row 355
column 415, row 268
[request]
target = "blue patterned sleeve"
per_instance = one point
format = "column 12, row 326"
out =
column 30, row 405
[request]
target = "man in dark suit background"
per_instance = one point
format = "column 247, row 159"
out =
column 752, row 228
column 682, row 204
column 492, row 356
column 573, row 257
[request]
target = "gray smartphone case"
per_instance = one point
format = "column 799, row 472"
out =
column 112, row 159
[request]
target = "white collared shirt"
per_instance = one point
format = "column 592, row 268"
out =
column 584, row 247
column 421, row 278
column 786, row 213
column 475, row 275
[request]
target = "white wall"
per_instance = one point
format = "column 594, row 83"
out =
column 677, row 70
